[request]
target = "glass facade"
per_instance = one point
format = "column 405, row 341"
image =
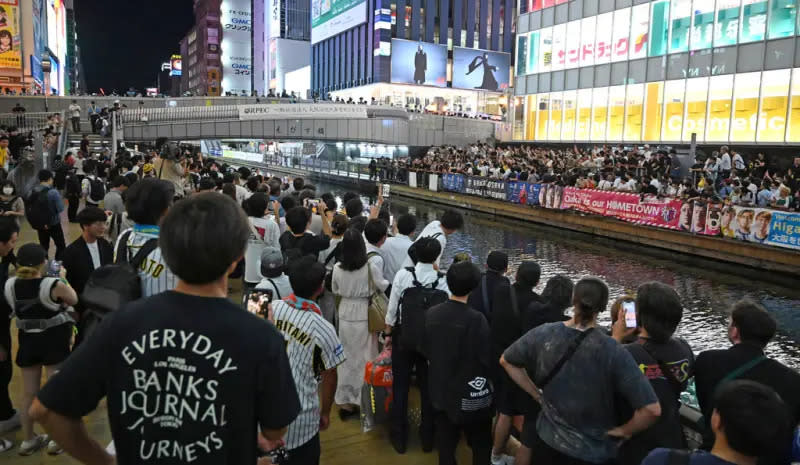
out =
column 660, row 71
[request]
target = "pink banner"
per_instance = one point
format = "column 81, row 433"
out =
column 628, row 207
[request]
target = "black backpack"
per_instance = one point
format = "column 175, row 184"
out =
column 412, row 251
column 470, row 390
column 37, row 208
column 97, row 189
column 414, row 303
column 292, row 248
column 8, row 206
column 73, row 185
column 111, row 286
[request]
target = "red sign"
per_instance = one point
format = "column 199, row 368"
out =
column 628, row 207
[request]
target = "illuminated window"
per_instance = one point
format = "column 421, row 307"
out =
column 640, row 30
column 674, row 93
column 702, row 24
column 602, row 44
column 774, row 103
column 754, row 21
column 559, row 52
column 569, row 109
column 659, row 28
column 680, row 25
column 554, row 125
column 620, row 42
column 654, row 108
column 694, row 120
column 584, row 120
column 587, row 41
column 530, row 121
column 599, row 113
column 720, row 91
column 522, row 52
column 573, row 45
column 634, row 112
column 533, row 52
column 726, row 28
column 545, row 50
column 616, row 112
column 745, row 107
column 793, row 132
column 782, row 18
column 542, row 115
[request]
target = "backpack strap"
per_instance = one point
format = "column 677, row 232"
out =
column 573, row 346
column 741, row 370
column 514, row 305
column 674, row 382
column 122, row 248
column 144, row 251
column 485, row 293
column 275, row 287
column 333, row 253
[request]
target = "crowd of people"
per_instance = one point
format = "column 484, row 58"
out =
column 725, row 176
column 190, row 375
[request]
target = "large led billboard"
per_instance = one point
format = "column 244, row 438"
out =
column 175, row 65
column 10, row 55
column 330, row 17
column 237, row 62
column 480, row 69
column 420, row 63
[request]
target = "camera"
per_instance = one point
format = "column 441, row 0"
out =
column 168, row 150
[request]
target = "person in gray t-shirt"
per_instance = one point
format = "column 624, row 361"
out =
column 578, row 421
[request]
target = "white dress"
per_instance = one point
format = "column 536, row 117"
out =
column 360, row 346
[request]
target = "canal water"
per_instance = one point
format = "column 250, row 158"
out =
column 706, row 291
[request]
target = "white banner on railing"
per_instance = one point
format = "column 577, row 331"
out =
column 300, row 110
column 412, row 179
column 433, row 182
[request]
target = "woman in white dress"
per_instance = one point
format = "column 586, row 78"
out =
column 350, row 282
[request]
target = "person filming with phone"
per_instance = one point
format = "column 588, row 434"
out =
column 666, row 361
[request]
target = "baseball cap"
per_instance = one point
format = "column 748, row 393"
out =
column 31, row 255
column 497, row 261
column 271, row 259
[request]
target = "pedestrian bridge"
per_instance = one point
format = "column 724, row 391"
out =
column 327, row 122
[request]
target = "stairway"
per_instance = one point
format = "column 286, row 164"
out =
column 96, row 142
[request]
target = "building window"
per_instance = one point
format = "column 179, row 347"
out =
column 774, row 104
column 745, row 107
column 720, row 90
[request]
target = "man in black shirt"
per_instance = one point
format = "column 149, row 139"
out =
column 750, row 330
column 297, row 242
column 188, row 376
column 457, row 344
column 506, row 328
column 481, row 298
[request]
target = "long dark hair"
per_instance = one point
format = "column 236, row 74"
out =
column 354, row 251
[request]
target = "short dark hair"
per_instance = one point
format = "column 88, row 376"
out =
column 202, row 236
column 463, row 278
column 428, row 249
column 274, row 187
column 354, row 252
column 406, row 224
column 359, row 223
column 452, row 220
column 90, row 215
column 528, row 273
column 753, row 416
column 354, row 207
column 659, row 310
column 375, row 230
column 256, row 205
column 148, row 199
column 288, row 203
column 119, row 181
column 755, row 324
column 8, row 226
column 297, row 219
column 298, row 183
column 497, row 261
column 306, row 276
column 590, row 297
column 347, row 196
column 45, row 175
column 306, row 194
column 558, row 292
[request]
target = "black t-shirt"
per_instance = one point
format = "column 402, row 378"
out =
column 476, row 300
column 505, row 324
column 188, row 379
column 308, row 243
column 540, row 312
column 677, row 356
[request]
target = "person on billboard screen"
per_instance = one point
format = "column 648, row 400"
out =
column 489, row 81
column 420, row 65
column 6, row 41
column 728, row 226
column 761, row 229
column 744, row 220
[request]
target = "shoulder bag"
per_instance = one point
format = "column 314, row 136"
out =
column 378, row 305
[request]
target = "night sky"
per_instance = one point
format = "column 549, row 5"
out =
column 123, row 43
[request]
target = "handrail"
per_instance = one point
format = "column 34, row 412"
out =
column 25, row 122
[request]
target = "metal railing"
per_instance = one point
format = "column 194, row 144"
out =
column 26, row 122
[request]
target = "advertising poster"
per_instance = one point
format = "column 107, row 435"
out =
column 726, row 27
column 10, row 55
column 761, row 225
column 713, row 219
column 754, row 21
column 175, row 65
column 412, row 179
column 274, row 18
column 640, row 31
column 236, row 19
column 420, row 63
column 699, row 213
column 651, row 211
column 330, row 17
column 681, row 25
column 522, row 52
column 702, row 24
column 659, row 28
column 480, row 69
column 453, row 182
column 433, row 182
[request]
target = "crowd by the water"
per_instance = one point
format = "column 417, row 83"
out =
column 336, row 292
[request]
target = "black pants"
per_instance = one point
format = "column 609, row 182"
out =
column 478, row 434
column 74, row 202
column 543, row 454
column 76, row 124
column 52, row 232
column 307, row 454
column 93, row 122
column 6, row 370
column 403, row 361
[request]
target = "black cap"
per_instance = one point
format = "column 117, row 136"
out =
column 31, row 255
column 497, row 261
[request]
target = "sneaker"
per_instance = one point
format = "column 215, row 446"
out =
column 54, row 449
column 34, row 445
column 11, row 424
column 502, row 459
column 5, row 445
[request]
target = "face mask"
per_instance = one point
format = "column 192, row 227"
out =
column 8, row 190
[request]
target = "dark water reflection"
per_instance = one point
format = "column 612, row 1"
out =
column 707, row 295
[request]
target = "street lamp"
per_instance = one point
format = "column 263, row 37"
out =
column 46, row 68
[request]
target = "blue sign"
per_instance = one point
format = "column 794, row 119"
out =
column 523, row 192
column 453, row 182
column 533, row 193
column 480, row 69
column 784, row 229
column 420, row 63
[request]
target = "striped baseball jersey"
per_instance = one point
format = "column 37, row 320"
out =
column 154, row 273
column 312, row 347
